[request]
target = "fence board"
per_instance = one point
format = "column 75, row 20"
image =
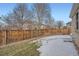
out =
column 18, row 35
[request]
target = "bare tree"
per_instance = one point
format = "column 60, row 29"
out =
column 60, row 24
column 9, row 21
column 21, row 14
column 2, row 24
column 52, row 23
column 42, row 13
column 48, row 16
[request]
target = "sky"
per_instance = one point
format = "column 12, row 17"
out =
column 59, row 11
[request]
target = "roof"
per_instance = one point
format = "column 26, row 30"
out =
column 28, row 22
column 68, row 23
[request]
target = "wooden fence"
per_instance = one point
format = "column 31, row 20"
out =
column 9, row 36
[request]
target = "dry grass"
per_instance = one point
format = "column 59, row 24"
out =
column 23, row 49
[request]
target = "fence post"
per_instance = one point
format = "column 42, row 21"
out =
column 4, row 37
column 23, row 34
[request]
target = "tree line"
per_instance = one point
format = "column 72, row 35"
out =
column 30, row 16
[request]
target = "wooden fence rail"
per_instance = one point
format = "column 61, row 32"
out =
column 9, row 36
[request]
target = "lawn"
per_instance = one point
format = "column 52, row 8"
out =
column 22, row 49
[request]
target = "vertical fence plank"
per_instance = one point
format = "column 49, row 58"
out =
column 9, row 36
column 4, row 39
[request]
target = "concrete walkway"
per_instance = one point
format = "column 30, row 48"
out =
column 57, row 46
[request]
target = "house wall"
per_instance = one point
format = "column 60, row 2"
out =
column 75, row 33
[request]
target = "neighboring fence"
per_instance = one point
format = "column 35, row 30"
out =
column 9, row 36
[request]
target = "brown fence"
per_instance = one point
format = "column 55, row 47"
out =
column 9, row 36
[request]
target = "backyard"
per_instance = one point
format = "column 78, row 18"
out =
column 56, row 45
column 39, row 29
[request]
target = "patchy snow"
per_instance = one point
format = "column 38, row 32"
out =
column 55, row 46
